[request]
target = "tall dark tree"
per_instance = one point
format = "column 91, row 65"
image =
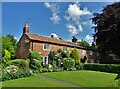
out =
column 107, row 29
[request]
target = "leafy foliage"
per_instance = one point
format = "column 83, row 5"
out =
column 112, row 68
column 68, row 63
column 35, row 61
column 9, row 43
column 84, row 43
column 75, row 55
column 21, row 63
column 107, row 29
column 6, row 57
column 51, row 56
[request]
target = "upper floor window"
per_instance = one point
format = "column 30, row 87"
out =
column 82, row 52
column 64, row 48
column 90, row 53
column 46, row 46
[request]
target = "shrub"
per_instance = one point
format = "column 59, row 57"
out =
column 64, row 54
column 51, row 56
column 75, row 55
column 68, row 63
column 47, row 67
column 79, row 66
column 14, row 72
column 59, row 63
column 112, row 68
column 59, row 50
column 21, row 63
column 6, row 57
column 35, row 62
column 35, row 55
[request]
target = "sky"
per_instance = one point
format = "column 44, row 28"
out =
column 62, row 19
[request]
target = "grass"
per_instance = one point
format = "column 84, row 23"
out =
column 82, row 78
column 85, row 78
column 33, row 81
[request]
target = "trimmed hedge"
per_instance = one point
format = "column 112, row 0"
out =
column 112, row 68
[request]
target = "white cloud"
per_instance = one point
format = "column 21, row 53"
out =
column 55, row 35
column 72, row 29
column 54, row 8
column 47, row 4
column 74, row 10
column 88, row 38
column 74, row 13
column 55, row 18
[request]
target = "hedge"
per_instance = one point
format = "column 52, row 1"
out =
column 112, row 68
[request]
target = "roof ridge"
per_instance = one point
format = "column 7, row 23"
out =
column 48, row 37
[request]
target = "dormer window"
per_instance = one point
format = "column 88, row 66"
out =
column 46, row 46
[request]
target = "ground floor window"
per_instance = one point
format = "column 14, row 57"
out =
column 45, row 61
column 91, row 60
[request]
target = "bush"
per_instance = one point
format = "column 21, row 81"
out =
column 52, row 57
column 21, row 63
column 75, row 55
column 48, row 67
column 35, row 62
column 79, row 66
column 35, row 55
column 68, row 63
column 64, row 54
column 59, row 63
column 14, row 72
column 112, row 68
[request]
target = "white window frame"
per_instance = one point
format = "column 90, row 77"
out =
column 66, row 48
column 46, row 60
column 47, row 44
column 90, row 52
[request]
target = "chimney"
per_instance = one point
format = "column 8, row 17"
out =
column 52, row 36
column 26, row 28
column 74, row 39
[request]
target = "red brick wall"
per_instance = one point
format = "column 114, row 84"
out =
column 22, row 48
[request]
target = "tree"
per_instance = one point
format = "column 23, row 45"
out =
column 84, row 43
column 9, row 44
column 107, row 29
column 75, row 55
column 6, row 57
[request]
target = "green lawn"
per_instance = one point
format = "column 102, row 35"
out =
column 81, row 78
column 33, row 81
column 85, row 78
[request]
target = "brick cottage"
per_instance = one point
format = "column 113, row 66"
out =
column 43, row 45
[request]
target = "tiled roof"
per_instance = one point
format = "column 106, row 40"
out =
column 48, row 39
column 57, row 41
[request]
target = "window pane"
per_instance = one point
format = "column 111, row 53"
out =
column 47, row 46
